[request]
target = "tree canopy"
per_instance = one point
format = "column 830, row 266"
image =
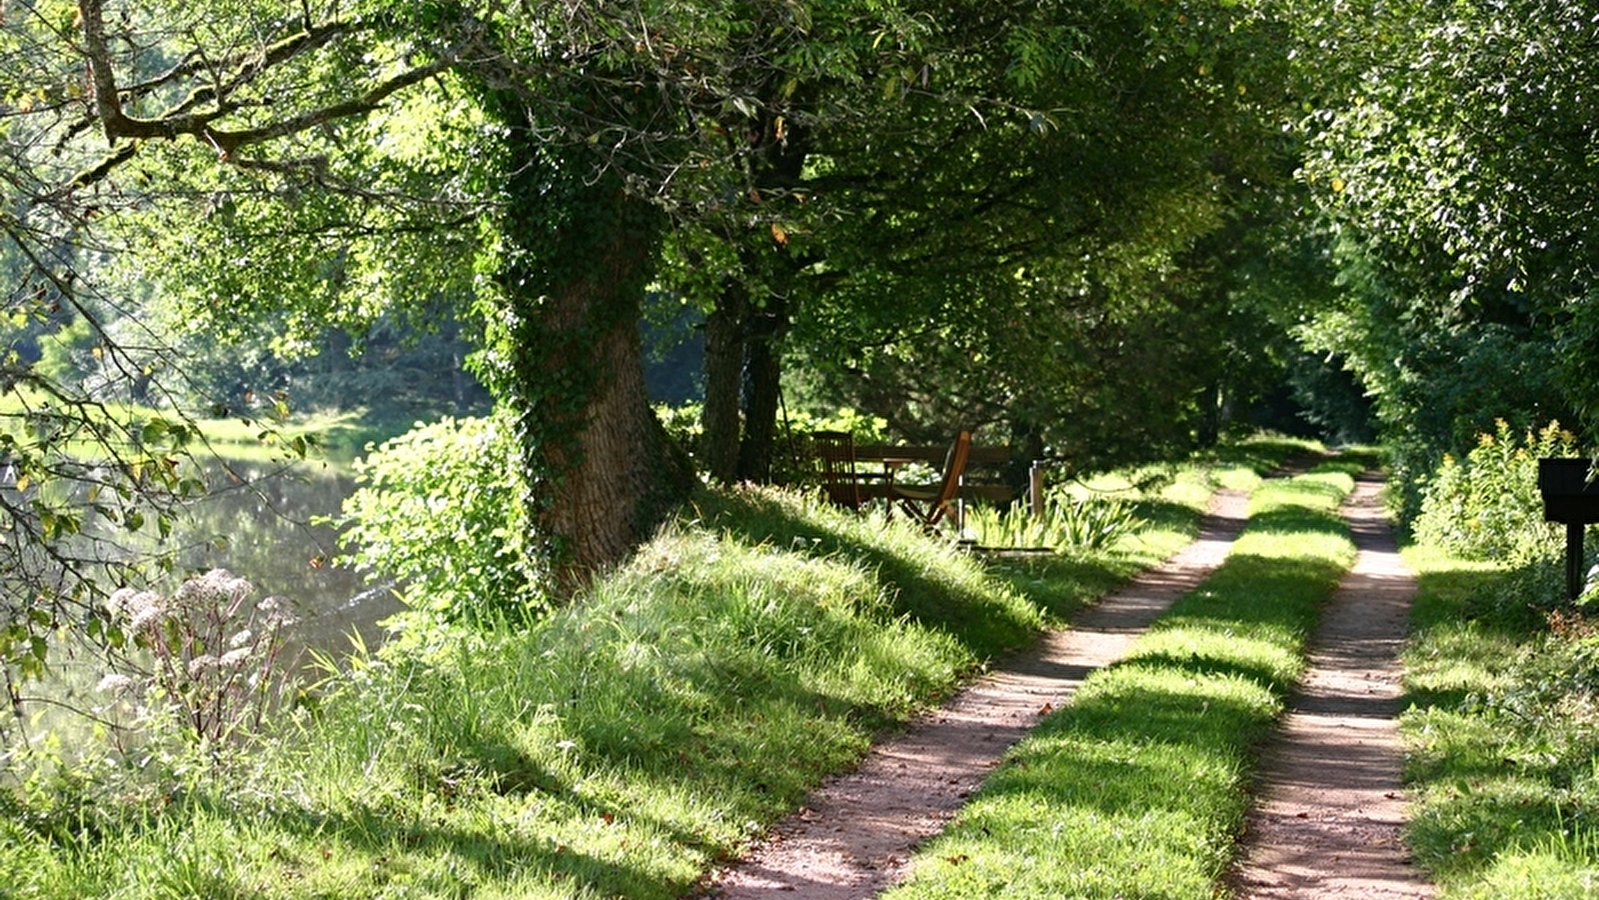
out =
column 1099, row 231
column 1453, row 158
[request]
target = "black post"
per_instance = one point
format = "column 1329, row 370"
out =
column 1574, row 532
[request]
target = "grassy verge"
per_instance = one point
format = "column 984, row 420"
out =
column 1502, row 738
column 1138, row 787
column 616, row 749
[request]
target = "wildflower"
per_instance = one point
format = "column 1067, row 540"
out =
column 234, row 659
column 243, row 638
column 130, row 602
column 119, row 601
column 215, row 588
column 277, row 613
column 201, row 665
column 116, row 684
column 145, row 618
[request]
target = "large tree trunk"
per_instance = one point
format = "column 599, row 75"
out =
column 617, row 475
column 600, row 469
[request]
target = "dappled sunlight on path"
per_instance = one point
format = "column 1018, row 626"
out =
column 1330, row 817
column 856, row 834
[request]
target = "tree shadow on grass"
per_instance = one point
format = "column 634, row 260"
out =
column 1141, row 748
column 1264, row 455
column 941, row 588
column 393, row 843
column 1167, row 515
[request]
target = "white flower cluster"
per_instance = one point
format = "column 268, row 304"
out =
column 142, row 609
column 216, row 589
column 275, row 613
column 116, row 684
column 214, row 657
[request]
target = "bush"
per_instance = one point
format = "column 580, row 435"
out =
column 437, row 514
column 1488, row 507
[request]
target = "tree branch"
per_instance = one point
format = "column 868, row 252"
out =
column 186, row 118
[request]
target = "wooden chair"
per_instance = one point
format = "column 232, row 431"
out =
column 835, row 456
column 929, row 505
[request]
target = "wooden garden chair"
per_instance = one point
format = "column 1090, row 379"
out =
column 835, row 456
column 931, row 505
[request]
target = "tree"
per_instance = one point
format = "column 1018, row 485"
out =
column 1033, row 260
column 270, row 162
column 1452, row 157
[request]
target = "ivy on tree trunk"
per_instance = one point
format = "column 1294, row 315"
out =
column 599, row 467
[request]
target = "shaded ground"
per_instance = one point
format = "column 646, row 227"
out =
column 1329, row 822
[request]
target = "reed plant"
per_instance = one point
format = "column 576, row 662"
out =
column 1064, row 524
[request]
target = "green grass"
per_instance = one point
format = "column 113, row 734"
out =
column 617, row 749
column 1137, row 788
column 336, row 437
column 1502, row 765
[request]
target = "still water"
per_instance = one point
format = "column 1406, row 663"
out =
column 267, row 523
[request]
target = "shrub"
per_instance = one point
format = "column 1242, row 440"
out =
column 1488, row 507
column 437, row 513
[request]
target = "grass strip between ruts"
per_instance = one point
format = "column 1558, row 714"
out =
column 1138, row 787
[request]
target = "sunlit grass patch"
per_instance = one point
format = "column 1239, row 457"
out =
column 1559, row 867
column 1137, row 788
column 1504, row 777
column 1169, row 502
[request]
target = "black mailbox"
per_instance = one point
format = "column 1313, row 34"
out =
column 1572, row 497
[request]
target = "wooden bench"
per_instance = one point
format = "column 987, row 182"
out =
column 982, row 484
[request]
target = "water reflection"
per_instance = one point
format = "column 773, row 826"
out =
column 265, row 522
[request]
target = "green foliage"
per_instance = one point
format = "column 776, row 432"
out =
column 1472, row 147
column 435, row 514
column 1446, row 156
column 1488, row 506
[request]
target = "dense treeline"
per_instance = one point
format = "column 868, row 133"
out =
column 1102, row 233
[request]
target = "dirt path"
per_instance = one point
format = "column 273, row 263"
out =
column 1329, row 819
column 855, row 836
column 1328, row 825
